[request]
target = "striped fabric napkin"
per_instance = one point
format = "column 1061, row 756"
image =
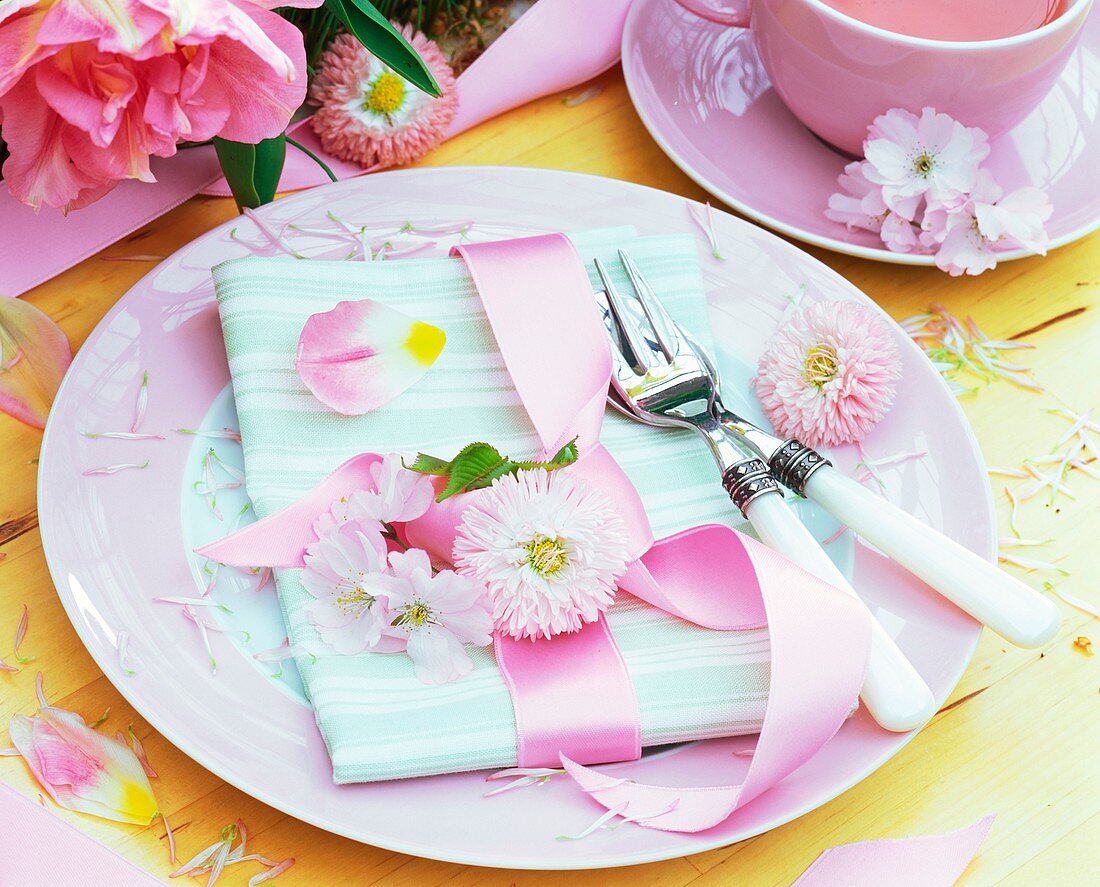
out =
column 378, row 720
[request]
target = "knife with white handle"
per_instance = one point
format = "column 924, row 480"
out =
column 894, row 693
column 1016, row 612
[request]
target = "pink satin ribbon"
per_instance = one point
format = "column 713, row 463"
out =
column 710, row 575
column 919, row 861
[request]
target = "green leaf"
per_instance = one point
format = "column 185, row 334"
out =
column 567, row 455
column 425, row 464
column 478, row 464
column 384, row 41
column 475, row 462
column 252, row 171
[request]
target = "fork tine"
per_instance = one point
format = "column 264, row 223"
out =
column 665, row 331
column 627, row 331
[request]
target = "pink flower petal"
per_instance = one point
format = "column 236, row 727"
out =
column 360, row 355
column 34, row 355
column 81, row 769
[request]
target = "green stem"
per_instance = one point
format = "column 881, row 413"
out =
column 313, row 157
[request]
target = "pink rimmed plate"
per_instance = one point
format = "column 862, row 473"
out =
column 113, row 543
column 705, row 98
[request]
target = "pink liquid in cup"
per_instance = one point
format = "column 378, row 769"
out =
column 954, row 19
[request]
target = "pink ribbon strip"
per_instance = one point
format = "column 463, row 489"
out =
column 710, row 575
column 922, row 861
column 571, row 692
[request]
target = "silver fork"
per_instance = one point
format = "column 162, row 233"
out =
column 1013, row 610
column 662, row 377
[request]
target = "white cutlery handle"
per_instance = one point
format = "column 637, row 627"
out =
column 895, row 695
column 1017, row 613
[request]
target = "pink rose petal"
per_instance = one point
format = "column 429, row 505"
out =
column 360, row 355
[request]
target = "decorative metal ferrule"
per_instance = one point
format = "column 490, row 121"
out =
column 748, row 480
column 794, row 462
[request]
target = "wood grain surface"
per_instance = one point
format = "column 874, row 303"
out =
column 1020, row 736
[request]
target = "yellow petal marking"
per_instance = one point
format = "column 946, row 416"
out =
column 136, row 801
column 425, row 342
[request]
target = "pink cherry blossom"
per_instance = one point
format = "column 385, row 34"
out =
column 1017, row 219
column 829, row 375
column 928, row 158
column 403, row 495
column 435, row 615
column 859, row 204
column 370, row 115
column 90, row 91
column 398, row 495
column 360, row 507
column 968, row 232
column 900, row 235
column 341, row 572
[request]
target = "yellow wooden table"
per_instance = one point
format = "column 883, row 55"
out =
column 1020, row 737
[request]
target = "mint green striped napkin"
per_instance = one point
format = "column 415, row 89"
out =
column 378, row 720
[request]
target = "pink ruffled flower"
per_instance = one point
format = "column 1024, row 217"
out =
column 370, row 115
column 549, row 550
column 340, row 573
column 932, row 157
column 829, row 375
column 89, row 91
column 435, row 615
column 399, row 495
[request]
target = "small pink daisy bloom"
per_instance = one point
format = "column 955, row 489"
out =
column 549, row 549
column 340, row 573
column 434, row 615
column 829, row 375
column 932, row 157
column 398, row 496
column 371, row 115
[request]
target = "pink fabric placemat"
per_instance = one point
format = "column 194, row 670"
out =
column 34, row 841
column 36, row 246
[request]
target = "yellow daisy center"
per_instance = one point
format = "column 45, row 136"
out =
column 386, row 95
column 546, row 556
column 820, row 365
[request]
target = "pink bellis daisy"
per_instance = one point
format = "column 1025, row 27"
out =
column 369, row 114
column 549, row 549
column 829, row 375
column 435, row 615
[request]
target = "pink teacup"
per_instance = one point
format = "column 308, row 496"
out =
column 837, row 74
